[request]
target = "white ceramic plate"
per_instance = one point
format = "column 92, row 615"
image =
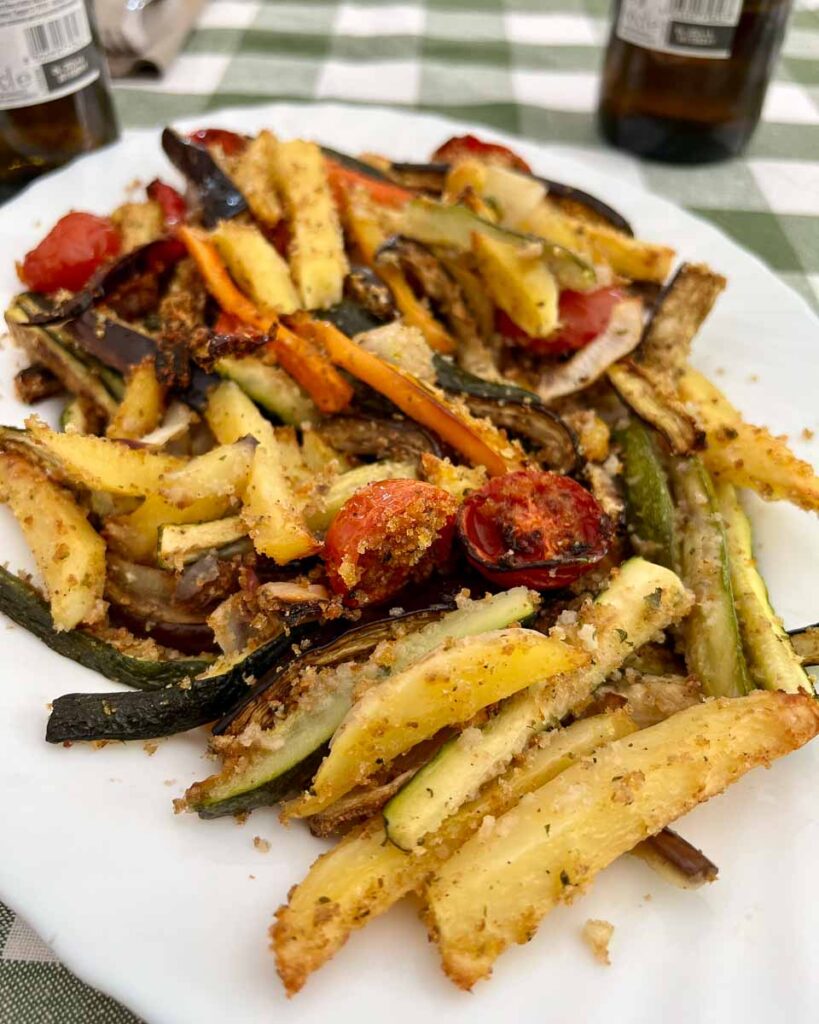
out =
column 169, row 913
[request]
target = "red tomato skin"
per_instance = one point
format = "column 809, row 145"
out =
column 461, row 147
column 172, row 203
column 229, row 142
column 535, row 529
column 583, row 317
column 387, row 535
column 69, row 254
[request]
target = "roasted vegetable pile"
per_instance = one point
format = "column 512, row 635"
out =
column 398, row 477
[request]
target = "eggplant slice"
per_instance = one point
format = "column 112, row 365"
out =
column 516, row 410
column 379, row 438
column 219, row 197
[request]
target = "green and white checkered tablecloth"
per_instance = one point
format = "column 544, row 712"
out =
column 523, row 66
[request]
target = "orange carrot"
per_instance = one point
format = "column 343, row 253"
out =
column 343, row 178
column 308, row 366
column 220, row 284
column 482, row 446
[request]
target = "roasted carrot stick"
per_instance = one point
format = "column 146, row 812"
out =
column 309, row 367
column 343, row 178
column 481, row 444
column 220, row 284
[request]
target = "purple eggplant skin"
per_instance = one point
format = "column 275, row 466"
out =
column 219, row 198
column 156, row 257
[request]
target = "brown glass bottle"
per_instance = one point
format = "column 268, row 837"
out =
column 684, row 80
column 54, row 97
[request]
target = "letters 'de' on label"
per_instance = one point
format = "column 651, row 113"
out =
column 46, row 51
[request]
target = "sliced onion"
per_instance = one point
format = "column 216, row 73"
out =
column 620, row 337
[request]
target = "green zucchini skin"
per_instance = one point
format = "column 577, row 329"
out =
column 23, row 605
column 163, row 712
column 270, row 793
column 649, row 505
column 137, row 715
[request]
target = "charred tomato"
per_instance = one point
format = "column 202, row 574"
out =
column 77, row 245
column 583, row 316
column 462, row 147
column 533, row 529
column 387, row 535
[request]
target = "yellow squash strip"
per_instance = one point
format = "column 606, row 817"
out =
column 272, row 514
column 256, row 266
column 135, row 535
column 448, row 686
column 478, row 441
column 317, row 257
column 142, row 405
column 252, row 172
column 69, row 553
column 521, row 286
column 496, row 889
column 368, row 236
column 223, row 471
column 637, row 260
column 365, row 874
column 745, row 455
column 104, row 465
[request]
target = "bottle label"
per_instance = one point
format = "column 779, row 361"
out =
column 46, row 51
column 692, row 28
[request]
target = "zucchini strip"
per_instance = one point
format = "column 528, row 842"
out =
column 69, row 553
column 649, row 505
column 250, row 780
column 772, row 661
column 135, row 535
column 745, row 455
column 494, row 891
column 186, row 704
column 713, row 648
column 642, row 599
column 365, row 874
column 183, row 543
column 270, row 387
column 448, row 686
column 23, row 605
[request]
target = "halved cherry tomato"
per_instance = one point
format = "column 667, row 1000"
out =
column 230, row 142
column 461, row 147
column 70, row 253
column 172, row 203
column 533, row 529
column 387, row 535
column 583, row 316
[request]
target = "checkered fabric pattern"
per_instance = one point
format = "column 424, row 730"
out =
column 524, row 66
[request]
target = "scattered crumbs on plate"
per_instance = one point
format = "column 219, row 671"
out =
column 99, row 744
column 240, row 817
column 179, row 805
column 647, row 897
column 49, row 706
column 150, row 747
column 720, row 371
column 252, row 877
column 753, row 377
column 807, row 434
column 262, row 845
column 67, row 744
column 597, row 936
column 169, row 782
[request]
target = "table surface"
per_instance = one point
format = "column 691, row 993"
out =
column 523, row 66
